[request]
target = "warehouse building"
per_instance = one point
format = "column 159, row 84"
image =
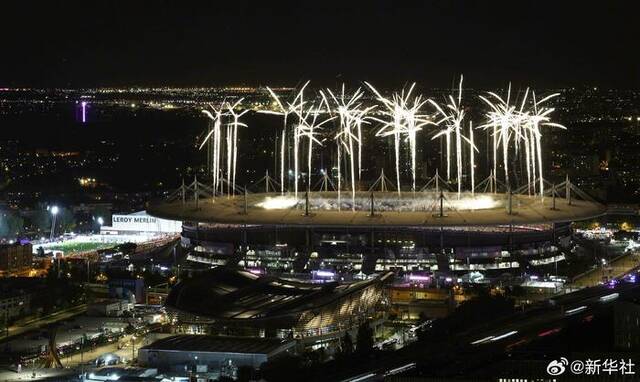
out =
column 211, row 353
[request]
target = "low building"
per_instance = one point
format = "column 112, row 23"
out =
column 15, row 256
column 17, row 296
column 130, row 289
column 414, row 302
column 211, row 353
column 15, row 304
column 110, row 308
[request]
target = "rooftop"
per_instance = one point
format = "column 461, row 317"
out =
column 218, row 344
column 235, row 296
column 526, row 210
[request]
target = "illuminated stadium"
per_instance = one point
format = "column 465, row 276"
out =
column 313, row 217
column 240, row 302
column 241, row 229
column 377, row 209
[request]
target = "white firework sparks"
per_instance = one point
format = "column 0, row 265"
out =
column 472, row 150
column 308, row 128
column 402, row 111
column 535, row 119
column 519, row 125
column 285, row 112
column 512, row 128
column 453, row 117
column 232, row 139
column 351, row 116
column 501, row 118
column 215, row 134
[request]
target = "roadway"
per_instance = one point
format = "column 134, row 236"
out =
column 613, row 269
column 122, row 348
column 34, row 324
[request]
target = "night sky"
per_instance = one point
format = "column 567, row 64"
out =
column 101, row 43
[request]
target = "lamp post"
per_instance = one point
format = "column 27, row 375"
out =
column 100, row 222
column 54, row 212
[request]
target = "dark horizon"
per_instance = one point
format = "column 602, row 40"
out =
column 529, row 43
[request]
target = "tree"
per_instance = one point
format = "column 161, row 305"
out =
column 41, row 218
column 347, row 344
column 364, row 342
column 284, row 368
column 484, row 307
column 65, row 221
column 245, row 373
column 11, row 224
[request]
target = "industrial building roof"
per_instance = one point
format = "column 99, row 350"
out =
column 219, row 344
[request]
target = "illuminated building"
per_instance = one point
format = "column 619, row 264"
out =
column 239, row 302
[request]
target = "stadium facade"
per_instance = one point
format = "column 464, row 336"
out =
column 509, row 232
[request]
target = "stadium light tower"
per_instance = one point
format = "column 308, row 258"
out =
column 54, row 212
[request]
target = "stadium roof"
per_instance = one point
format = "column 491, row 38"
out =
column 526, row 210
column 237, row 296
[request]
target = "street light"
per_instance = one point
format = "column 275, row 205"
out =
column 54, row 211
column 100, row 222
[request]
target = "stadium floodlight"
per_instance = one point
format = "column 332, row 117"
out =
column 54, row 212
